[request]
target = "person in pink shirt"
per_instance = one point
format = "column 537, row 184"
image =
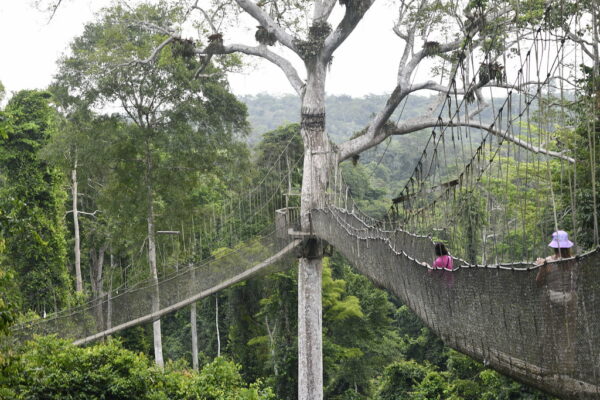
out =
column 443, row 260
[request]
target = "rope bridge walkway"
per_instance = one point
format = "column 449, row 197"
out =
column 538, row 324
column 117, row 311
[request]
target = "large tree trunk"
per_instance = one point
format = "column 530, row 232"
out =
column 76, row 247
column 109, row 295
column 193, row 322
column 97, row 282
column 156, row 330
column 310, row 342
column 317, row 155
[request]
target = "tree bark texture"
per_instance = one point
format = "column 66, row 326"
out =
column 317, row 156
column 97, row 283
column 217, row 325
column 156, row 329
column 76, row 246
column 193, row 321
column 310, row 337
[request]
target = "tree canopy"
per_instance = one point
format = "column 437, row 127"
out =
column 33, row 204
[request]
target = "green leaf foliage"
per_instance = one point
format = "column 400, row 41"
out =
column 32, row 201
column 399, row 379
column 50, row 368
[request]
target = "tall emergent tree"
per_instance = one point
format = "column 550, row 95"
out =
column 172, row 115
column 64, row 151
column 82, row 150
column 32, row 203
column 446, row 32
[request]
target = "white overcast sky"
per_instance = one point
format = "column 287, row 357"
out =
column 30, row 46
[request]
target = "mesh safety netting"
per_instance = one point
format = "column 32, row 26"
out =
column 132, row 306
column 537, row 324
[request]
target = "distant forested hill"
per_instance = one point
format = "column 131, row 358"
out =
column 345, row 114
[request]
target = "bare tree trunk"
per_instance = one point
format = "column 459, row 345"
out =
column 194, row 329
column 76, row 247
column 317, row 153
column 156, row 330
column 310, row 342
column 97, row 282
column 217, row 326
column 109, row 298
column 193, row 314
column 194, row 337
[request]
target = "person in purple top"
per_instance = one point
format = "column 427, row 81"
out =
column 443, row 260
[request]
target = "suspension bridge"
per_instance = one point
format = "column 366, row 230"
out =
column 492, row 189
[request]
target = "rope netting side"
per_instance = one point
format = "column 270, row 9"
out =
column 535, row 323
column 130, row 307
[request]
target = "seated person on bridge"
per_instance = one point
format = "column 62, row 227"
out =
column 562, row 248
column 443, row 260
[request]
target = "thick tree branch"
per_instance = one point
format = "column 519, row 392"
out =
column 403, row 89
column 408, row 36
column 431, row 85
column 408, row 50
column 373, row 135
column 521, row 143
column 378, row 129
column 355, row 11
column 420, row 55
column 154, row 55
column 584, row 43
column 415, row 125
column 450, row 46
column 262, row 51
column 267, row 22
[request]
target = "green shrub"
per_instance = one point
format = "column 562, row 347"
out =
column 49, row 368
